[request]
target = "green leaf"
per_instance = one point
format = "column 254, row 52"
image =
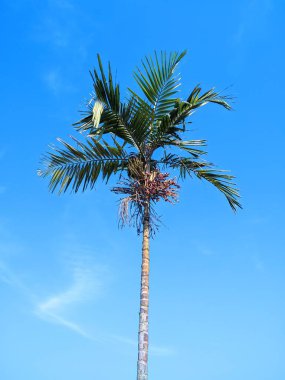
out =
column 79, row 167
column 158, row 83
column 205, row 171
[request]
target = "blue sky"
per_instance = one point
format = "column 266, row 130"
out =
column 69, row 279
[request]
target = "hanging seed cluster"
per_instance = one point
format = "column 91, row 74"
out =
column 147, row 188
column 157, row 186
column 152, row 187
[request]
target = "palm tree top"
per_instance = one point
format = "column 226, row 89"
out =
column 145, row 133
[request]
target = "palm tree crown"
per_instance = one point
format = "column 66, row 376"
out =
column 139, row 137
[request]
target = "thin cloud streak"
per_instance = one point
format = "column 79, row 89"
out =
column 85, row 285
column 53, row 79
column 55, row 307
column 14, row 281
column 54, row 318
column 58, row 27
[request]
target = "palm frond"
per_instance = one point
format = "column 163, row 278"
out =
column 174, row 123
column 210, row 96
column 158, row 83
column 207, row 171
column 108, row 116
column 106, row 94
column 183, row 109
column 106, row 90
column 131, row 124
column 108, row 111
column 79, row 167
column 223, row 182
column 186, row 145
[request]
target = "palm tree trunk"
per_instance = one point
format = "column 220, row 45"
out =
column 142, row 370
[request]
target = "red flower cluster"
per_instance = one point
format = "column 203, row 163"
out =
column 142, row 191
column 155, row 186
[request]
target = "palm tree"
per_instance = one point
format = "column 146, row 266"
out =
column 137, row 140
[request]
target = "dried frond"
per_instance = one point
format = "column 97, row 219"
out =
column 97, row 112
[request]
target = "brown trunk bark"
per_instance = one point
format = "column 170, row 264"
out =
column 142, row 366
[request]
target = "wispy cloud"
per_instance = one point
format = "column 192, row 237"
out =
column 57, row 24
column 85, row 286
column 56, row 308
column 6, row 276
column 13, row 280
column 54, row 82
column 53, row 32
column 58, row 27
column 56, row 318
